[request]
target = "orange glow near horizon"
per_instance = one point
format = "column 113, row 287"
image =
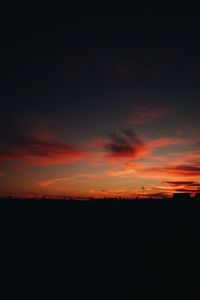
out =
column 116, row 165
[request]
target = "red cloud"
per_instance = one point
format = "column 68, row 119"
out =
column 36, row 145
column 180, row 183
column 185, row 170
column 41, row 153
column 181, row 170
column 147, row 114
column 181, row 186
column 125, row 144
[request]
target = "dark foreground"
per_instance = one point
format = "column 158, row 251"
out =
column 100, row 250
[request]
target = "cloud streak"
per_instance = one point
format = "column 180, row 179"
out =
column 146, row 114
column 180, row 183
column 37, row 146
column 33, row 152
column 180, row 170
column 126, row 144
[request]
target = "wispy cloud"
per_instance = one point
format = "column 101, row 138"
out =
column 180, row 170
column 110, row 173
column 190, row 128
column 36, row 145
column 49, row 182
column 145, row 114
column 168, row 190
column 166, row 141
column 180, row 183
column 183, row 186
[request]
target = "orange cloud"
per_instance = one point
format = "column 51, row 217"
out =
column 47, row 183
column 104, row 174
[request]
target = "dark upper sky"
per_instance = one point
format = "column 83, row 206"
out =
column 76, row 79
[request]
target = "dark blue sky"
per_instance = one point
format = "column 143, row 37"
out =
column 72, row 78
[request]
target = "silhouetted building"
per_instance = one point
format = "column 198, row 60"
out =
column 197, row 195
column 181, row 196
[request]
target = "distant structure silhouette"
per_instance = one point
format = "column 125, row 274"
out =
column 197, row 195
column 181, row 196
column 140, row 194
column 142, row 191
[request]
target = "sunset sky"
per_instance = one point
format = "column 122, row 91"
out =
column 98, row 106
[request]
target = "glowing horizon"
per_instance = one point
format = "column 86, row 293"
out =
column 117, row 164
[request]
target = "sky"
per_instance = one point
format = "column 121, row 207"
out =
column 98, row 106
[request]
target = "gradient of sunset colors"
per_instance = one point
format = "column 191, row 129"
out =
column 39, row 159
column 99, row 107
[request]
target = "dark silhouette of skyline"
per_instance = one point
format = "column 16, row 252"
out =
column 100, row 249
